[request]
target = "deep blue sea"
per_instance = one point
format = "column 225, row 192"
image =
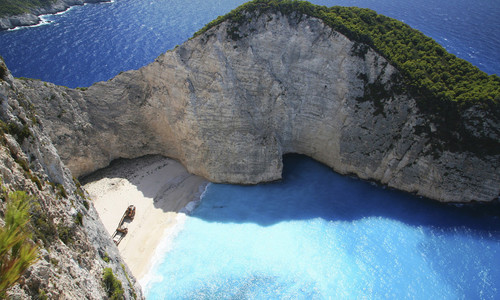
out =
column 315, row 234
column 97, row 41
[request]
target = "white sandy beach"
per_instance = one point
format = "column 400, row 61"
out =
column 159, row 188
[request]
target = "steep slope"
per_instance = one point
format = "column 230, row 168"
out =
column 74, row 247
column 231, row 101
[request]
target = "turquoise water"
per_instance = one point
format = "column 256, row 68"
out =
column 318, row 235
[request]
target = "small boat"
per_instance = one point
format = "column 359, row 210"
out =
column 122, row 229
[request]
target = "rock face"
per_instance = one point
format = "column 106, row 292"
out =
column 230, row 102
column 31, row 18
column 74, row 245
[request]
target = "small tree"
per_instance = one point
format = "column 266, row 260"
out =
column 17, row 253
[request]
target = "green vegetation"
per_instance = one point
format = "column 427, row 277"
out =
column 16, row 7
column 43, row 226
column 61, row 191
column 17, row 253
column 131, row 286
column 429, row 69
column 3, row 69
column 54, row 262
column 112, row 285
column 42, row 295
column 105, row 257
column 79, row 192
column 36, row 180
column 79, row 219
column 66, row 234
column 19, row 132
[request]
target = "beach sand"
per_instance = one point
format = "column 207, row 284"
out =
column 159, row 188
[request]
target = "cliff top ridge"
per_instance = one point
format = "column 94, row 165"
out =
column 430, row 71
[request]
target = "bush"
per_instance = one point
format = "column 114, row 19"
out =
column 37, row 181
column 61, row 191
column 43, row 225
column 66, row 234
column 20, row 133
column 17, row 253
column 112, row 285
column 131, row 286
column 3, row 71
column 79, row 218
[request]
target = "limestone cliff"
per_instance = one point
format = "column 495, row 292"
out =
column 74, row 246
column 231, row 101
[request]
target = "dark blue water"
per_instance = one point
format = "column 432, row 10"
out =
column 96, row 42
column 316, row 234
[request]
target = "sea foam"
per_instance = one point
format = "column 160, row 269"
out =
column 165, row 245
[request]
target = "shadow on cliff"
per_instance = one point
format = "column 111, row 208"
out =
column 310, row 190
column 156, row 177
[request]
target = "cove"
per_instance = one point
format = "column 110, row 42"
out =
column 317, row 235
column 365, row 242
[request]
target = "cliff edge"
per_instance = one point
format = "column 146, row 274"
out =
column 232, row 100
column 74, row 248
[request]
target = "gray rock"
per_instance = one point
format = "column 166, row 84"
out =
column 228, row 109
column 71, row 269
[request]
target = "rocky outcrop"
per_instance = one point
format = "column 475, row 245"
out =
column 32, row 17
column 74, row 245
column 231, row 101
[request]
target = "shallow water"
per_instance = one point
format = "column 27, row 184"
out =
column 318, row 235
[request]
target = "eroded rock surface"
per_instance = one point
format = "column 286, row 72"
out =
column 230, row 102
column 74, row 246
